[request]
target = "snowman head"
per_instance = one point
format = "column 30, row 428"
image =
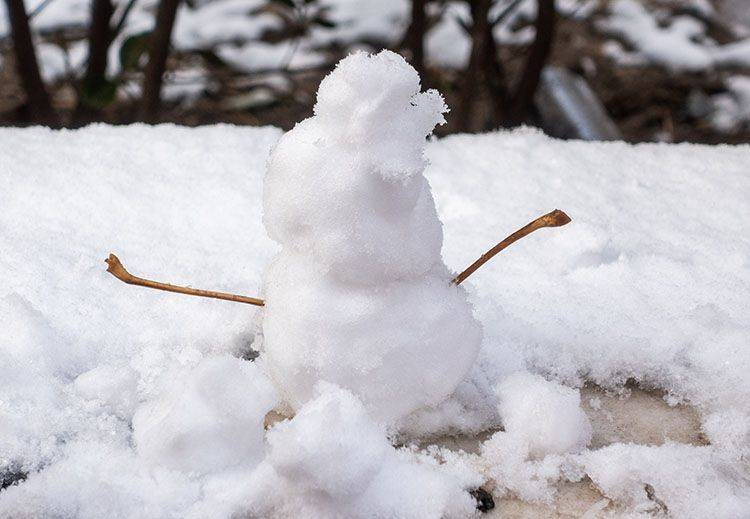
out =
column 345, row 188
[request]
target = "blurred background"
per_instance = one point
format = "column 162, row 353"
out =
column 638, row 70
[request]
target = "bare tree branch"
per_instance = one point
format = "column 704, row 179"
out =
column 523, row 95
column 38, row 101
column 414, row 40
column 100, row 38
column 157, row 59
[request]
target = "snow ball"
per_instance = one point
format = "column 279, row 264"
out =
column 399, row 347
column 546, row 415
column 317, row 449
column 332, row 460
column 375, row 100
column 209, row 420
column 345, row 188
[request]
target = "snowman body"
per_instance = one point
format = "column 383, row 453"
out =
column 359, row 295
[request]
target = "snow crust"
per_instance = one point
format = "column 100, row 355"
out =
column 650, row 282
column 359, row 295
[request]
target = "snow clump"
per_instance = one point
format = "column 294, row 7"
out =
column 332, row 460
column 359, row 295
column 543, row 421
column 547, row 415
column 209, row 420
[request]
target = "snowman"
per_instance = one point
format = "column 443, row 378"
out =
column 359, row 295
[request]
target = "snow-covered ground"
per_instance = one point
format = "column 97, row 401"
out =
column 651, row 282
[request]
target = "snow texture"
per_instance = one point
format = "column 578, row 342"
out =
column 649, row 282
column 546, row 416
column 359, row 295
column 731, row 110
column 691, row 482
column 208, row 420
column 541, row 420
column 681, row 44
column 332, row 460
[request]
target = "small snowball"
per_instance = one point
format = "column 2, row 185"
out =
column 332, row 460
column 547, row 416
column 209, row 420
column 317, row 448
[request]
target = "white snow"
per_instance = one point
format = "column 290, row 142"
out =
column 209, row 419
column 690, row 482
column 541, row 421
column 359, row 294
column 332, row 460
column 650, row 281
column 679, row 44
column 545, row 416
column 731, row 109
column 672, row 46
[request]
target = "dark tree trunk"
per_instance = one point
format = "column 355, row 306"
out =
column 37, row 98
column 523, row 96
column 415, row 34
column 100, row 38
column 476, row 74
column 157, row 59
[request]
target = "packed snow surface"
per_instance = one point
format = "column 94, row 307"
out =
column 359, row 294
column 649, row 282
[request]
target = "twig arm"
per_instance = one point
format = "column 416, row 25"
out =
column 556, row 218
column 115, row 267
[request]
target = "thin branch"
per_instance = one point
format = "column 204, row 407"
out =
column 556, row 218
column 115, row 268
column 39, row 8
column 123, row 17
column 505, row 12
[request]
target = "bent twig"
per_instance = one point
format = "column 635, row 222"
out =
column 556, row 218
column 114, row 267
